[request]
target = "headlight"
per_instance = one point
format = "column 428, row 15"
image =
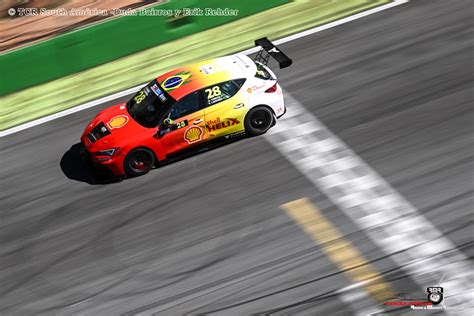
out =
column 106, row 152
column 104, row 155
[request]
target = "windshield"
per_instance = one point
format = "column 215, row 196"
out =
column 149, row 104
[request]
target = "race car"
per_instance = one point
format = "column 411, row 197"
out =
column 188, row 108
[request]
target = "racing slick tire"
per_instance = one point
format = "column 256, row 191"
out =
column 259, row 120
column 138, row 162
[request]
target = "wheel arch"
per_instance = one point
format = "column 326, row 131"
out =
column 259, row 105
column 265, row 106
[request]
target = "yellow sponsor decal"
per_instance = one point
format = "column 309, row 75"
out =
column 117, row 121
column 213, row 125
column 193, row 134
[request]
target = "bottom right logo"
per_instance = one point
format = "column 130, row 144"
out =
column 434, row 299
column 435, row 294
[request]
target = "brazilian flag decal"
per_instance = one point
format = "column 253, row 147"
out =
column 176, row 80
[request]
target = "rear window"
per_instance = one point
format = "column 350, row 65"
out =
column 239, row 83
column 262, row 72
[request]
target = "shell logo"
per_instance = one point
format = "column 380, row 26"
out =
column 193, row 134
column 117, row 121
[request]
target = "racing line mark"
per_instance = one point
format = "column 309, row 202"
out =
column 347, row 258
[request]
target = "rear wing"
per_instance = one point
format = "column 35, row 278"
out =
column 268, row 49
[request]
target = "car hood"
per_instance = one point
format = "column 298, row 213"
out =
column 111, row 128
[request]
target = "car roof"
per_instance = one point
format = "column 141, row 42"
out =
column 184, row 80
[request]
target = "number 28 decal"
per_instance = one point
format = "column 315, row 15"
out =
column 181, row 124
column 214, row 92
column 139, row 97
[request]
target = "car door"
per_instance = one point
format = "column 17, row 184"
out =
column 225, row 108
column 188, row 128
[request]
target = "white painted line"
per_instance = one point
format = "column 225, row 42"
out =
column 247, row 52
column 358, row 301
column 389, row 220
column 69, row 111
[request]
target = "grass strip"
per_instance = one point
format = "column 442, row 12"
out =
column 67, row 92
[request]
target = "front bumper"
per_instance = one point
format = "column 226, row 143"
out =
column 112, row 167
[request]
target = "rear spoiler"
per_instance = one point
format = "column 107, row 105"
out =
column 268, row 49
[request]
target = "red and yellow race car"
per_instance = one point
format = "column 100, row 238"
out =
column 187, row 108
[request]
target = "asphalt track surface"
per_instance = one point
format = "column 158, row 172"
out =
column 207, row 234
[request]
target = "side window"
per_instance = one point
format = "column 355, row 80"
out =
column 262, row 72
column 185, row 106
column 239, row 82
column 222, row 91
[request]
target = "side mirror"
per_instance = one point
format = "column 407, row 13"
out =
column 165, row 127
column 168, row 122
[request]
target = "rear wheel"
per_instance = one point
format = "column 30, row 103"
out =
column 138, row 162
column 259, row 120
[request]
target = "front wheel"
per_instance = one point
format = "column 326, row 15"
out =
column 259, row 120
column 138, row 162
